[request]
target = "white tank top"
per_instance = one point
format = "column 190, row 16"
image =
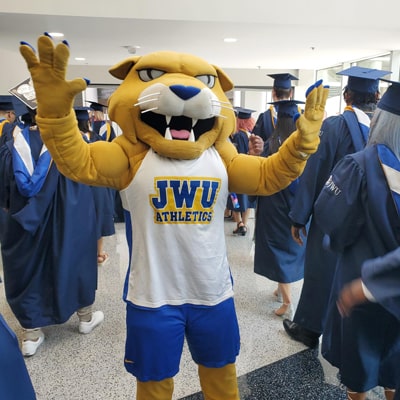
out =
column 178, row 250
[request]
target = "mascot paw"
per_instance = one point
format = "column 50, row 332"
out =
column 309, row 123
column 54, row 94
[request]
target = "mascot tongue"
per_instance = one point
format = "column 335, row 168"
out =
column 180, row 134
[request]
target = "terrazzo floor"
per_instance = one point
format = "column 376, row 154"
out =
column 70, row 366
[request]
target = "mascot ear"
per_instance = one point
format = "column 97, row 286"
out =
column 226, row 82
column 121, row 70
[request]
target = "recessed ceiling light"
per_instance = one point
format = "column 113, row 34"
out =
column 230, row 40
column 56, row 34
column 80, row 58
column 131, row 48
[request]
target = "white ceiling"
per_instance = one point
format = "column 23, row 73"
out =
column 288, row 34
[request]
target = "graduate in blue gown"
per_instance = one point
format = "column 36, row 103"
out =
column 358, row 211
column 7, row 122
column 7, row 118
column 49, row 244
column 241, row 212
column 379, row 282
column 104, row 129
column 104, row 198
column 277, row 256
column 340, row 135
column 99, row 125
column 281, row 90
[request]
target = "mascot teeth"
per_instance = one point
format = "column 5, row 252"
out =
column 168, row 135
column 179, row 131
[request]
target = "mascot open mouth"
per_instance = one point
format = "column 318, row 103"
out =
column 178, row 127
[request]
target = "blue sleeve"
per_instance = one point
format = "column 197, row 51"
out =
column 338, row 209
column 381, row 276
column 318, row 169
column 241, row 141
column 15, row 382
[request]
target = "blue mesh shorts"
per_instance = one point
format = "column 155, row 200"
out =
column 155, row 338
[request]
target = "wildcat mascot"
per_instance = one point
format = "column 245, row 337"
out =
column 174, row 167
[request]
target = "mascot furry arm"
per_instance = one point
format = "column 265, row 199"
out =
column 170, row 102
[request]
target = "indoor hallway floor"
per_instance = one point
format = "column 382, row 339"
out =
column 271, row 366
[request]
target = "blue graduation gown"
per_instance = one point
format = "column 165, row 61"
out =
column 265, row 124
column 6, row 131
column 356, row 210
column 319, row 264
column 97, row 129
column 15, row 383
column 382, row 278
column 49, row 246
column 104, row 203
column 277, row 256
column 5, row 135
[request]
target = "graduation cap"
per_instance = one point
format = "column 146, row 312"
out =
column 243, row 113
column 96, row 106
column 19, row 107
column 82, row 113
column 364, row 80
column 390, row 101
column 287, row 108
column 283, row 81
column 6, row 103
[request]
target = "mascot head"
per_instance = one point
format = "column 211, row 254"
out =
column 173, row 102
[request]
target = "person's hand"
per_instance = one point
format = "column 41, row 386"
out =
column 297, row 232
column 351, row 295
column 256, row 145
column 54, row 95
column 309, row 123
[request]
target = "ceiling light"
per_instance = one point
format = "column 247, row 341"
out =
column 80, row 58
column 131, row 49
column 230, row 40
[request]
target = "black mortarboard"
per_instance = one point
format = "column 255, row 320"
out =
column 287, row 108
column 390, row 101
column 243, row 113
column 82, row 113
column 96, row 106
column 6, row 103
column 283, row 81
column 363, row 80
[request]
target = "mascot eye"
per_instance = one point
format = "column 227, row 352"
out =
column 208, row 80
column 147, row 75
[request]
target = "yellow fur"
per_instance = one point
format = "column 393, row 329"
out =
column 115, row 164
column 175, row 104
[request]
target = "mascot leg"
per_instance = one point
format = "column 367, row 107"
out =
column 155, row 390
column 219, row 383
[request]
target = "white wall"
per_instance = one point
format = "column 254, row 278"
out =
column 14, row 71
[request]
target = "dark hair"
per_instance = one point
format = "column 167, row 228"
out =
column 360, row 99
column 29, row 118
column 285, row 126
column 281, row 93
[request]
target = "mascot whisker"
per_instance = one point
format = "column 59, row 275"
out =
column 174, row 167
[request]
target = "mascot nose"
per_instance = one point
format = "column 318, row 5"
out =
column 184, row 92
